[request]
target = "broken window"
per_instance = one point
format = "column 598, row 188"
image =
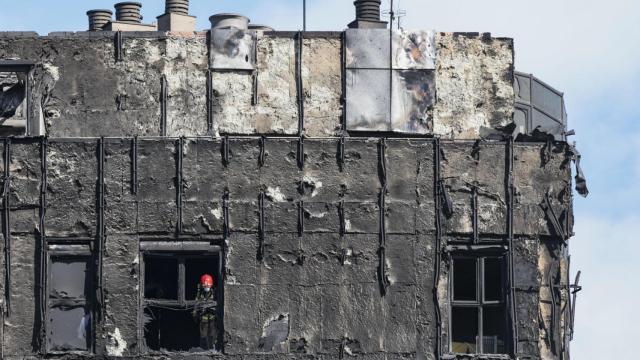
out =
column 478, row 305
column 14, row 85
column 69, row 303
column 178, row 312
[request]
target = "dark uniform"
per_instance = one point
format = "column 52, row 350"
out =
column 205, row 315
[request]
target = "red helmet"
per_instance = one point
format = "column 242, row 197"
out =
column 206, row 280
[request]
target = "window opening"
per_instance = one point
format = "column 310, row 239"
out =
column 478, row 306
column 180, row 307
column 14, row 86
column 69, row 325
column 161, row 278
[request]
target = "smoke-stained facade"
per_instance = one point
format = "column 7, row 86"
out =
column 358, row 194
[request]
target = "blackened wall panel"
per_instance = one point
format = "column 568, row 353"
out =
column 72, row 179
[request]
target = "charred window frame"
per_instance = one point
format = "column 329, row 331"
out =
column 478, row 298
column 70, row 298
column 21, row 69
column 177, row 265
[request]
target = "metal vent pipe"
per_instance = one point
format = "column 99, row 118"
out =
column 129, row 12
column 368, row 10
column 177, row 7
column 229, row 21
column 98, row 18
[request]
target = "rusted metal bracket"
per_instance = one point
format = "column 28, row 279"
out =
column 179, row 183
column 342, row 232
column 475, row 150
column 300, row 152
column 341, row 152
column 261, row 158
column 576, row 288
column 382, row 270
column 210, row 102
column 225, row 213
column 134, row 165
column 342, row 218
column 261, row 226
column 343, row 83
column 6, row 190
column 382, row 162
column 382, row 166
column 101, row 229
column 163, row 105
column 551, row 216
column 581, row 180
column 299, row 82
column 119, row 46
column 553, row 288
column 44, row 144
column 300, row 218
column 513, row 314
column 446, row 202
column 474, row 214
column 254, row 88
column 225, row 150
column 438, row 187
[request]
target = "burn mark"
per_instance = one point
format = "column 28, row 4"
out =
column 274, row 333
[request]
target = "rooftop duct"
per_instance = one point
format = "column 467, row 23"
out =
column 367, row 15
column 229, row 21
column 128, row 12
column 98, row 18
column 177, row 7
column 176, row 17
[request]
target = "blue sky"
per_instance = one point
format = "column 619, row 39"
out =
column 589, row 49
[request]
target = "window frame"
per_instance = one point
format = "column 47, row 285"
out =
column 180, row 251
column 71, row 251
column 23, row 67
column 480, row 303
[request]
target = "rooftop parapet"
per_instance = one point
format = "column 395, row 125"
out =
column 456, row 86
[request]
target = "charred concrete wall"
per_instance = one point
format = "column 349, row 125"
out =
column 319, row 268
column 334, row 244
column 95, row 84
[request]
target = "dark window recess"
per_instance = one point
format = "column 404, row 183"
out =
column 493, row 282
column 13, row 109
column 174, row 317
column 494, row 326
column 465, row 326
column 161, row 278
column 69, row 304
column 478, row 308
column 171, row 329
column 465, row 280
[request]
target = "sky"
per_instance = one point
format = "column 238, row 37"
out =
column 588, row 49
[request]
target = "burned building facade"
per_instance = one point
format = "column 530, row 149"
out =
column 368, row 194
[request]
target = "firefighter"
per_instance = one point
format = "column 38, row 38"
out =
column 204, row 312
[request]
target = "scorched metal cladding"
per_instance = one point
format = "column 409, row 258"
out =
column 253, row 193
column 303, row 268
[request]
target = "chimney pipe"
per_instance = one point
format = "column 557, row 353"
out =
column 177, row 7
column 98, row 18
column 128, row 12
column 368, row 15
column 368, row 10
